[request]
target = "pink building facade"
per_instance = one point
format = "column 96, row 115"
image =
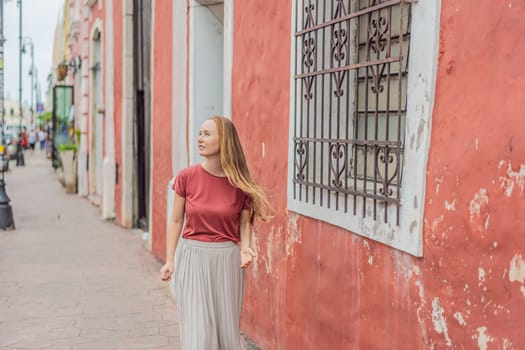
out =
column 387, row 134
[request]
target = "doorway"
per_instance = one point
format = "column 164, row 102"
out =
column 142, row 20
column 207, row 93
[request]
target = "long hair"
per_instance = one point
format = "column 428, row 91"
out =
column 234, row 165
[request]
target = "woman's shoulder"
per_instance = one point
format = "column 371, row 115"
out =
column 189, row 171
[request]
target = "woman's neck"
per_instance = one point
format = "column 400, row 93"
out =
column 213, row 165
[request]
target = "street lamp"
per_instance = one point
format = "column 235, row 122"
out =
column 6, row 212
column 34, row 78
column 29, row 42
column 20, row 153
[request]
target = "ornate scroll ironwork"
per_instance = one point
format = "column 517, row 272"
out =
column 308, row 53
column 351, row 69
column 310, row 22
column 385, row 157
column 301, row 151
column 337, row 162
column 339, row 39
column 379, row 30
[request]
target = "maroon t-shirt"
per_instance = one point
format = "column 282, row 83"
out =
column 213, row 206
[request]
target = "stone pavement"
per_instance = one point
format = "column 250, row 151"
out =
column 69, row 280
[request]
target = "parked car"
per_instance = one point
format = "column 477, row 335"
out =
column 10, row 143
column 4, row 156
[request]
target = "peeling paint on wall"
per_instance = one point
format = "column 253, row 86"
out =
column 415, row 272
column 458, row 316
column 517, row 269
column 436, row 222
column 477, row 203
column 294, row 235
column 439, row 321
column 487, row 219
column 438, row 181
column 506, row 344
column 451, row 206
column 256, row 245
column 481, row 275
column 269, row 256
column 512, row 178
column 368, row 253
column 483, row 339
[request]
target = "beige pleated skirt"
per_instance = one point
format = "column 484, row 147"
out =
column 209, row 287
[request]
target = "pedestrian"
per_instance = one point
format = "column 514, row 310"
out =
column 42, row 138
column 49, row 145
column 32, row 139
column 218, row 200
column 24, row 142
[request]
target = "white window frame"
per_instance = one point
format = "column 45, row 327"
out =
column 422, row 66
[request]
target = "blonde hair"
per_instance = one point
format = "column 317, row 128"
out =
column 234, row 165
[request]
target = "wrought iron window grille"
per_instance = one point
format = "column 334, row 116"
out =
column 351, row 67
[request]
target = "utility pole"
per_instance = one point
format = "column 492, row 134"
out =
column 32, row 73
column 20, row 152
column 6, row 213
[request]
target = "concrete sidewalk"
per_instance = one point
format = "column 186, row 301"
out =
column 69, row 280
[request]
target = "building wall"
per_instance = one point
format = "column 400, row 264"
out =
column 75, row 51
column 83, row 76
column 260, row 109
column 96, row 18
column 474, row 247
column 161, row 167
column 316, row 286
column 118, row 48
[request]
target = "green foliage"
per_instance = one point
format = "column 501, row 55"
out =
column 67, row 147
column 44, row 118
column 78, row 133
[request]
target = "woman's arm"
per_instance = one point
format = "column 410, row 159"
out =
column 245, row 227
column 173, row 233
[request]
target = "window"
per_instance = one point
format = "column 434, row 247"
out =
column 351, row 70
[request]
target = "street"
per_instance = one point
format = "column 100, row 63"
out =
column 69, row 280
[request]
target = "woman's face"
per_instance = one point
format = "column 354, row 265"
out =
column 208, row 139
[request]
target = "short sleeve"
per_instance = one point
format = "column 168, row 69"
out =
column 247, row 204
column 180, row 184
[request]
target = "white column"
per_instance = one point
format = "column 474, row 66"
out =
column 109, row 167
column 152, row 123
column 179, row 149
column 228, row 58
column 128, row 110
column 84, row 101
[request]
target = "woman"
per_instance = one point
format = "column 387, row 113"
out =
column 219, row 200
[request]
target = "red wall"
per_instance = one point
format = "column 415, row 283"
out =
column 476, row 153
column 316, row 286
column 161, row 122
column 118, row 47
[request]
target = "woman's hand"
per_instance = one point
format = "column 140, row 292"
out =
column 166, row 271
column 247, row 256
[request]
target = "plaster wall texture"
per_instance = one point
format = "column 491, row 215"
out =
column 316, row 286
column 118, row 47
column 161, row 122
